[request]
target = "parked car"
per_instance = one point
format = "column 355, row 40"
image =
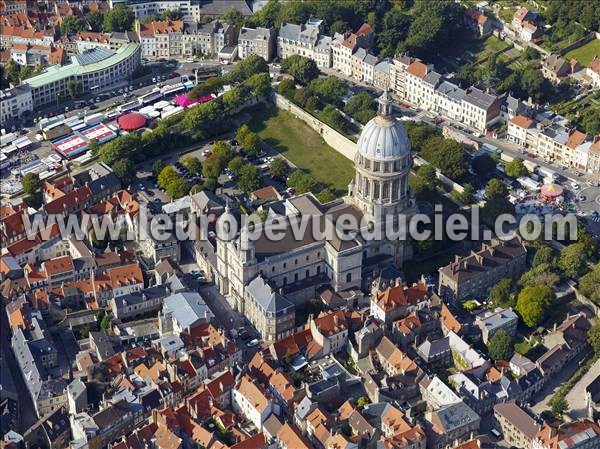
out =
column 252, row 343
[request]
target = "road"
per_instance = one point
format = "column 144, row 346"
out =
column 27, row 415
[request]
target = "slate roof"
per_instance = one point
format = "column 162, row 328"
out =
column 188, row 308
column 267, row 299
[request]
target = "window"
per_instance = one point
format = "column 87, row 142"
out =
column 307, row 273
column 319, row 269
column 285, row 280
column 296, row 277
column 349, row 277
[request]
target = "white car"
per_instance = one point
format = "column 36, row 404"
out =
column 252, row 343
column 575, row 186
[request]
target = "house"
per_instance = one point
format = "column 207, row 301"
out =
column 555, row 68
column 450, row 424
column 290, row 438
column 580, row 434
column 265, row 195
column 399, row 301
column 499, row 319
column 524, row 24
column 392, row 359
column 473, row 276
column 593, row 72
column 305, row 40
column 517, row 426
column 479, row 22
column 271, row 313
column 256, row 41
column 182, row 312
column 139, row 302
column 252, row 401
column 520, row 131
column 436, row 353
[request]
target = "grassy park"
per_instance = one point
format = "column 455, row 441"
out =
column 586, row 53
column 302, row 146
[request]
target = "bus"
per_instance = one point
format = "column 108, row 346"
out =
column 127, row 107
column 173, row 89
column 150, row 97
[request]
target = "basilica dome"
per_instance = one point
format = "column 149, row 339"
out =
column 384, row 138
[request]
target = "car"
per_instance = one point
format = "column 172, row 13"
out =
column 584, row 198
column 206, row 153
column 575, row 186
column 252, row 343
column 93, row 106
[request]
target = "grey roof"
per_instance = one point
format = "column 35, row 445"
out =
column 429, row 349
column 497, row 319
column 76, row 388
column 187, row 308
column 92, row 56
column 516, row 416
column 384, row 139
column 370, row 59
column 304, row 408
column 383, row 66
column 455, row 416
column 522, row 362
column 450, row 90
column 159, row 291
column 306, row 34
column 361, row 54
column 432, row 78
column 479, row 98
column 260, row 33
column 323, row 43
column 170, row 343
column 219, row 7
column 103, row 344
column 267, row 299
column 206, row 199
column 111, row 414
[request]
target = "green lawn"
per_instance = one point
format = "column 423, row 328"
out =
column 303, row 146
column 586, row 53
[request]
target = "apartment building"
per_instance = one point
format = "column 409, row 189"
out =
column 271, row 313
column 161, row 39
column 473, row 276
column 593, row 72
column 252, row 401
column 256, row 41
column 13, row 35
column 499, row 319
column 305, row 40
column 583, row 434
column 14, row 102
column 95, row 67
column 35, row 55
column 551, row 138
column 344, row 46
column 518, row 428
column 190, row 9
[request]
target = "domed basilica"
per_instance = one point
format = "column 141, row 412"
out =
column 299, row 268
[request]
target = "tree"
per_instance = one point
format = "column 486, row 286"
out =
column 94, row 147
column 246, row 68
column 236, row 164
column 302, row 69
column 428, row 174
column 588, row 285
column 166, row 175
column 211, row 86
column 447, row 155
column 233, row 17
column 500, row 346
column 532, row 302
column 178, row 187
column 125, row 170
column 593, row 337
column 192, row 164
column 279, row 167
column 484, row 165
column 286, row 88
column 301, row 182
column 241, row 133
column 500, row 294
column 495, row 189
column 542, row 274
column 95, row 20
column 329, row 89
column 332, row 117
column 267, row 15
column 105, row 323
column 395, row 26
column 362, row 402
column 572, row 260
column 293, row 12
column 171, row 14
column 72, row 25
column 158, row 166
column 31, row 183
column 259, row 84
column 326, row 195
column 530, row 54
column 543, row 255
column 361, row 107
column 120, row 18
column 515, row 169
column 252, row 144
column 249, row 178
column 559, row 405
column 74, row 88
column 590, row 120
column 419, row 134
column 467, row 196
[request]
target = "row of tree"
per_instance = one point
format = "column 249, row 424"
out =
column 119, row 18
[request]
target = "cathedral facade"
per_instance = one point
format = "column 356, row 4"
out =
column 297, row 267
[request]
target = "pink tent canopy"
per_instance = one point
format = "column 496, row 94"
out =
column 552, row 190
column 184, row 101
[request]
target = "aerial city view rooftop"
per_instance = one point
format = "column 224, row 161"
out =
column 300, row 224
